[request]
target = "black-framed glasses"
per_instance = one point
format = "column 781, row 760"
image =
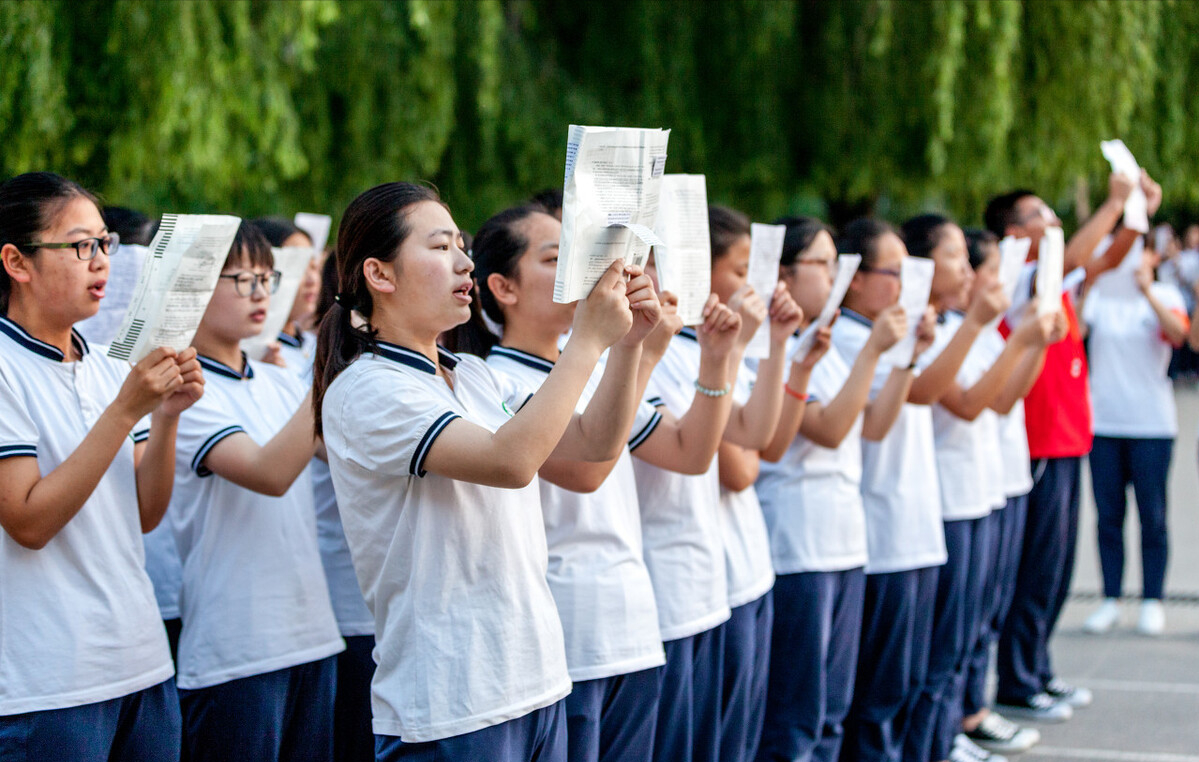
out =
column 246, row 282
column 86, row 249
column 897, row 274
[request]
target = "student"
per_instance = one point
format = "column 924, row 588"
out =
column 434, row 458
column 750, row 575
column 904, row 542
column 257, row 650
column 297, row 340
column 984, row 727
column 969, row 463
column 1131, row 335
column 809, row 489
column 1058, row 422
column 592, row 517
column 83, row 473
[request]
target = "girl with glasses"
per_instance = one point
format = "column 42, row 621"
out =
column 87, row 449
column 257, row 650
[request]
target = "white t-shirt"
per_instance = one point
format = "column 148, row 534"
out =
column 596, row 571
column 746, row 539
column 1131, row 395
column 164, row 568
column 254, row 598
column 969, row 461
column 78, row 621
column 811, row 497
column 467, row 635
column 900, row 493
column 680, row 515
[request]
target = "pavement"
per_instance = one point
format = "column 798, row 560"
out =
column 1146, row 706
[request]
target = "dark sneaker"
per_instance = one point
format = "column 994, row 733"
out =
column 998, row 733
column 1040, row 707
column 1060, row 690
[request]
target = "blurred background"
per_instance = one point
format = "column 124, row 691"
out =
column 832, row 108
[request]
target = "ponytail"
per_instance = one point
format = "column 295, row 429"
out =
column 374, row 226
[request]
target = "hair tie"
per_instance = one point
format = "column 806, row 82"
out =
column 344, row 299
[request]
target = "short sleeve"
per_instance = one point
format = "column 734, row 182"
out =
column 387, row 422
column 645, row 421
column 514, row 391
column 18, row 432
column 824, row 383
column 203, row 426
column 944, row 335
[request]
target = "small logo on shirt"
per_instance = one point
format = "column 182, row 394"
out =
column 1076, row 367
column 506, row 409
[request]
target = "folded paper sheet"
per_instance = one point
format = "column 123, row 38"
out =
column 176, row 283
column 765, row 250
column 917, row 284
column 1050, row 255
column 610, row 202
column 291, row 263
column 1136, row 213
column 847, row 265
column 317, row 227
column 684, row 260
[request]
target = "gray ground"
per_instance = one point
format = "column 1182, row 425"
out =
column 1146, row 689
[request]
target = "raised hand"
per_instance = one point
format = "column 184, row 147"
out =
column 1119, row 186
column 926, row 332
column 785, row 314
column 192, row 388
column 988, row 304
column 149, row 382
column 820, row 344
column 668, row 327
column 889, row 327
column 749, row 305
column 643, row 301
column 604, row 316
column 720, row 330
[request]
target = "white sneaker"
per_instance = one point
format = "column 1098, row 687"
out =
column 997, row 733
column 1153, row 618
column 1071, row 695
column 1103, row 618
column 1040, row 707
column 965, row 750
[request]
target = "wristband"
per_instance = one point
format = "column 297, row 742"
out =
column 710, row 392
column 912, row 366
column 795, row 394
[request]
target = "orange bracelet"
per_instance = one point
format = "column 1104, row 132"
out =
column 795, row 394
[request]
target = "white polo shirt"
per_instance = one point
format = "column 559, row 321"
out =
column 467, row 635
column 298, row 352
column 900, row 491
column 680, row 515
column 969, row 460
column 1131, row 395
column 596, row 571
column 254, row 598
column 78, row 621
column 812, row 497
column 1015, row 469
column 746, row 539
column 165, row 568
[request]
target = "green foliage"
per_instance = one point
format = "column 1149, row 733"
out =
column 254, row 106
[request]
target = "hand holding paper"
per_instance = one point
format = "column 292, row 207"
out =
column 765, row 250
column 684, row 262
column 291, row 262
column 1136, row 215
column 1050, row 256
column 913, row 297
column 847, row 265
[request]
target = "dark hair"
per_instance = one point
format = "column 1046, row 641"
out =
column 922, row 233
column 977, row 242
column 725, row 226
column 374, row 226
column 498, row 246
column 861, row 236
column 131, row 225
column 801, row 233
column 250, row 246
column 28, row 205
column 1001, row 211
column 278, row 229
column 548, row 201
column 325, row 299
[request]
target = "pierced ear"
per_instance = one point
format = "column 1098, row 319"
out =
column 16, row 264
column 502, row 288
column 380, row 276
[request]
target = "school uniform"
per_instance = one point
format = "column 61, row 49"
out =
column 969, row 469
column 471, row 661
column 1058, row 424
column 256, row 666
column 1135, row 426
column 684, row 552
column 597, row 576
column 812, row 504
column 85, row 670
column 905, row 539
column 298, row 351
column 751, row 610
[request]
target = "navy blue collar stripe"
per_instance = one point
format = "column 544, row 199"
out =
column 289, row 340
column 688, row 333
column 49, row 351
column 524, row 358
column 221, row 369
column 849, row 314
column 405, row 356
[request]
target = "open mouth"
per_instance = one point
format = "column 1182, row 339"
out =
column 97, row 289
column 258, row 316
column 463, row 292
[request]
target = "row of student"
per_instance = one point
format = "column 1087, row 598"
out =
column 485, row 607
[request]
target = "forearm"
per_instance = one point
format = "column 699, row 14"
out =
column 832, row 422
column 884, row 410
column 156, row 470
column 600, row 433
column 687, row 445
column 752, row 425
column 936, row 379
column 1172, row 324
column 794, row 403
column 1083, row 243
column 738, row 467
column 1112, row 257
column 1021, row 381
column 979, row 397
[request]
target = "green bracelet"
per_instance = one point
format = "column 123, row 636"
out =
column 710, row 392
